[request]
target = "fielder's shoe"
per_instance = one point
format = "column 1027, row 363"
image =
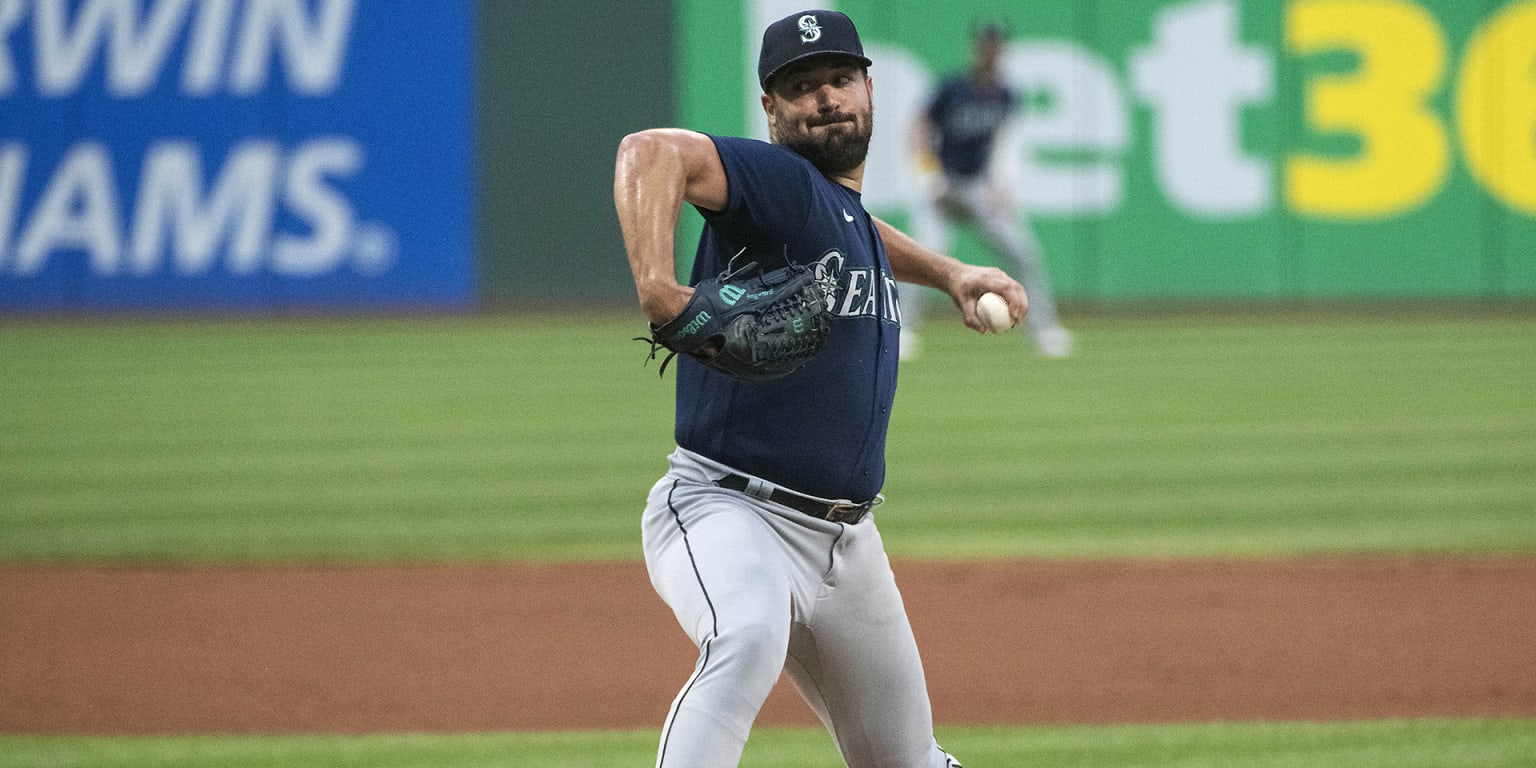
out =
column 1053, row 341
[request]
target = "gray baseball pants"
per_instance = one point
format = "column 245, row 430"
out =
column 761, row 588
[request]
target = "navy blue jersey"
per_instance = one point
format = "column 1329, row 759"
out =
column 820, row 430
column 966, row 118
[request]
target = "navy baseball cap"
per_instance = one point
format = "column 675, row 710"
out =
column 806, row 34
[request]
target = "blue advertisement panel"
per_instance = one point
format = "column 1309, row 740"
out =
column 245, row 155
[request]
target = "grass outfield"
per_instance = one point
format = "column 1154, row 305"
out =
column 537, row 438
column 1406, row 744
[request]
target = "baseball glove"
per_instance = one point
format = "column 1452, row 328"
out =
column 748, row 324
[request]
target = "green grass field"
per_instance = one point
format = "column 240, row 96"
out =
column 500, row 438
column 497, row 438
column 1391, row 744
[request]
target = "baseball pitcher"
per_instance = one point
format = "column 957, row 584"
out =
column 761, row 536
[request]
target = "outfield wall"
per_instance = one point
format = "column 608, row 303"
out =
column 270, row 155
column 562, row 83
column 1216, row 148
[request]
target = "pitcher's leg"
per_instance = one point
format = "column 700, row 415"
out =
column 858, row 665
column 715, row 565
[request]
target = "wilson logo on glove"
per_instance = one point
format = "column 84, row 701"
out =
column 730, row 294
column 693, row 327
column 749, row 325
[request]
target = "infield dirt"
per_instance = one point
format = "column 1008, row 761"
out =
column 134, row 650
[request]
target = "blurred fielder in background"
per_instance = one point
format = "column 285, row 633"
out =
column 953, row 143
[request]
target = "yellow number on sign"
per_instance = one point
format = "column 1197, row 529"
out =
column 1404, row 154
column 1496, row 106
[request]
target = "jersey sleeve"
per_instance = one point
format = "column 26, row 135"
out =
column 769, row 189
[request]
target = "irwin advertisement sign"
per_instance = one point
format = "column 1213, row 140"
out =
column 245, row 155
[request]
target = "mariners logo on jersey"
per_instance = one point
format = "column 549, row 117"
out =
column 854, row 292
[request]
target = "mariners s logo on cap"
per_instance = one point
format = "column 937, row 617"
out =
column 803, row 35
column 810, row 31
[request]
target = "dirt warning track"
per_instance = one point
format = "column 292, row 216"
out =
column 462, row 648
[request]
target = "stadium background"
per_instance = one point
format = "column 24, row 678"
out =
column 1174, row 150
column 338, row 158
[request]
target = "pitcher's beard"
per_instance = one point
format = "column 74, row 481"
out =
column 836, row 151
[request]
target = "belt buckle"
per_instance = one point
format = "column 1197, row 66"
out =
column 847, row 512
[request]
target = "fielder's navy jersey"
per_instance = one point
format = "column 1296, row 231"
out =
column 967, row 117
column 821, row 430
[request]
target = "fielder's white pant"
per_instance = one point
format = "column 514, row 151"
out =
column 761, row 588
column 976, row 200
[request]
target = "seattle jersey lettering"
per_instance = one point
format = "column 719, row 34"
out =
column 856, row 292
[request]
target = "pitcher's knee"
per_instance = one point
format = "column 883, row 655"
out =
column 752, row 655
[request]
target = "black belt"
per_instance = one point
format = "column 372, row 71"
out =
column 837, row 512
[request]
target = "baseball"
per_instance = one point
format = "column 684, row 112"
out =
column 993, row 311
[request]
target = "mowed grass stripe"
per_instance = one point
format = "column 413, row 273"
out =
column 1193, row 439
column 314, row 439
column 1389, row 744
column 191, row 469
column 539, row 437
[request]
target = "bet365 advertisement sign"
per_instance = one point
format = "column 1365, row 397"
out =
column 235, row 154
column 1216, row 148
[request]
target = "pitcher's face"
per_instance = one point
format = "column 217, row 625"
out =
column 823, row 110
